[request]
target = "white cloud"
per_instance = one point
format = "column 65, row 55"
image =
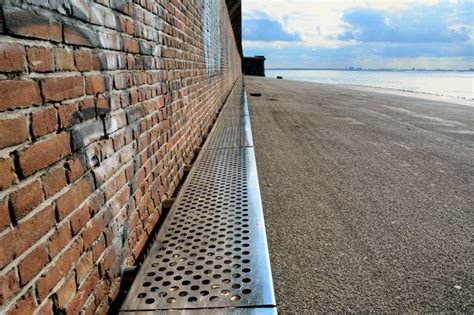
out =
column 319, row 21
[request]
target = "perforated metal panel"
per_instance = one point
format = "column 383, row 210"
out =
column 230, row 132
column 211, row 253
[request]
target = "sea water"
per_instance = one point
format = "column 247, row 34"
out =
column 441, row 83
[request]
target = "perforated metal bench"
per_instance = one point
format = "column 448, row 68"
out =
column 211, row 256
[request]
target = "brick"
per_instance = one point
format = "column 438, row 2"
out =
column 69, row 115
column 83, row 60
column 66, row 291
column 82, row 36
column 80, row 9
column 64, row 59
column 75, row 169
column 7, row 173
column 95, row 85
column 25, row 234
column 60, row 267
column 50, row 151
column 12, row 57
column 19, row 94
column 26, row 198
column 85, row 291
column 79, row 219
column 44, row 121
column 101, row 290
column 5, row 220
column 9, row 285
column 24, row 305
column 13, row 131
column 59, row 89
column 29, row 24
column 94, row 228
column 86, row 133
column 84, row 267
column 53, row 181
column 61, row 237
column 46, row 308
column 75, row 196
column 98, row 247
column 40, row 59
column 32, row 263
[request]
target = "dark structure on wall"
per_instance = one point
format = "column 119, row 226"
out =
column 254, row 66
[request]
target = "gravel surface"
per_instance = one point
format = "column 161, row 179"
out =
column 368, row 198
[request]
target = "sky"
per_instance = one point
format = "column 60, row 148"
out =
column 427, row 34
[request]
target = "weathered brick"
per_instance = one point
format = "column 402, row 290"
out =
column 75, row 169
column 40, row 59
column 86, row 133
column 26, row 198
column 66, row 291
column 9, row 285
column 83, row 293
column 95, row 84
column 83, row 60
column 44, row 121
column 61, row 237
column 19, row 94
column 53, row 181
column 29, row 24
column 46, row 308
column 24, row 305
column 59, row 89
column 95, row 227
column 5, row 220
column 50, row 151
column 7, row 173
column 82, row 36
column 12, row 57
column 80, row 9
column 75, row 196
column 98, row 247
column 84, row 267
column 69, row 115
column 64, row 59
column 60, row 267
column 79, row 219
column 32, row 263
column 15, row 242
column 13, row 131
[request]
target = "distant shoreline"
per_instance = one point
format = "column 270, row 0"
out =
column 370, row 70
column 416, row 94
column 384, row 90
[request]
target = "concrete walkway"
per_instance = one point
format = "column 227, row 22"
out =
column 368, row 198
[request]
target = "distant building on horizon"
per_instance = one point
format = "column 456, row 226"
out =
column 254, row 65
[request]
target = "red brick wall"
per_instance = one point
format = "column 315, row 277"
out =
column 101, row 106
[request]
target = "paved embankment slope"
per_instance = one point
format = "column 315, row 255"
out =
column 368, row 198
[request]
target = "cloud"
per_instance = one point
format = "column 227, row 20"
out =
column 366, row 33
column 417, row 25
column 261, row 28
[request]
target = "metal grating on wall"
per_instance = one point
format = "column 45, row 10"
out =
column 211, row 254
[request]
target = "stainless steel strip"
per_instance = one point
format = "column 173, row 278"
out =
column 211, row 255
column 212, row 250
column 207, row 311
column 230, row 132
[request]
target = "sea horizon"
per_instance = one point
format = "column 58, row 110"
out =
column 448, row 86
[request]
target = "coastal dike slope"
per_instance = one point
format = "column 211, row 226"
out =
column 368, row 198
